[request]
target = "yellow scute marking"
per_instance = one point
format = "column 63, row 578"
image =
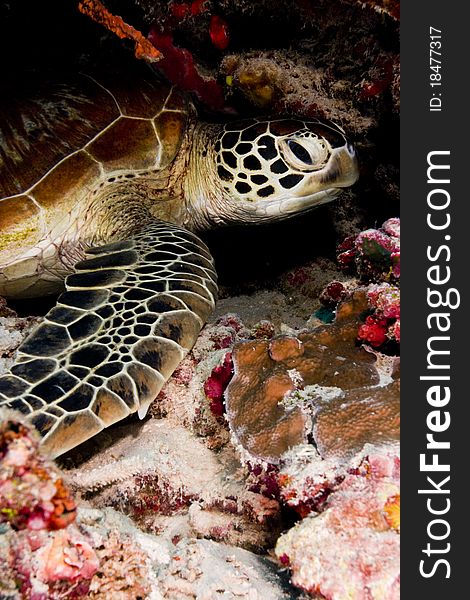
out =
column 19, row 226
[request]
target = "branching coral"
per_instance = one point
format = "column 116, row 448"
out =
column 99, row 13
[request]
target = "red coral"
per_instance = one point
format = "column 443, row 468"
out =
column 346, row 252
column 219, row 32
column 333, row 293
column 215, row 385
column 178, row 64
column 380, row 83
column 230, row 320
column 374, row 330
column 263, row 480
column 297, row 277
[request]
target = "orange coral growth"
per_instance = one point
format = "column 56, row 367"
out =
column 392, row 512
column 278, row 382
column 99, row 13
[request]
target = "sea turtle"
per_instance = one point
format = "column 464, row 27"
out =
column 104, row 183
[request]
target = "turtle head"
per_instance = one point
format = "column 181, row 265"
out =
column 273, row 169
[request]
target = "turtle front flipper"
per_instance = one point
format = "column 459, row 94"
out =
column 131, row 311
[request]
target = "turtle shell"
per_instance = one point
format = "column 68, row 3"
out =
column 60, row 138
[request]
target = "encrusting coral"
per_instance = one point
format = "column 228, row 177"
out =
column 288, row 82
column 278, row 384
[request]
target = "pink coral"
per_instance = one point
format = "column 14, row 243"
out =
column 392, row 227
column 394, row 331
column 66, row 557
column 361, row 513
column 386, row 299
column 375, row 253
column 384, row 324
column 32, row 493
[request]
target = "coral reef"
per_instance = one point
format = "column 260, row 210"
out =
column 216, row 383
column 32, row 492
column 13, row 330
column 172, row 483
column 384, row 324
column 181, row 505
column 259, row 422
column 52, row 565
column 360, row 516
column 123, row 570
column 204, row 569
column 285, row 82
column 179, row 64
column 45, row 555
column 169, row 482
column 375, row 255
column 179, row 67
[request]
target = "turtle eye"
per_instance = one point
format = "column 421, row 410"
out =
column 305, row 154
column 300, row 152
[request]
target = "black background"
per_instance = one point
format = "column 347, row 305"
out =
column 421, row 132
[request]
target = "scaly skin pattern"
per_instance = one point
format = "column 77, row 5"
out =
column 123, row 178
column 130, row 313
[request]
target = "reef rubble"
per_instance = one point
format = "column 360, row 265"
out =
column 158, row 501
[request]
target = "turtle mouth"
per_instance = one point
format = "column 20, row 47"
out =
column 291, row 206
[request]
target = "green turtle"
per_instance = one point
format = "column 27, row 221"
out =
column 104, row 183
